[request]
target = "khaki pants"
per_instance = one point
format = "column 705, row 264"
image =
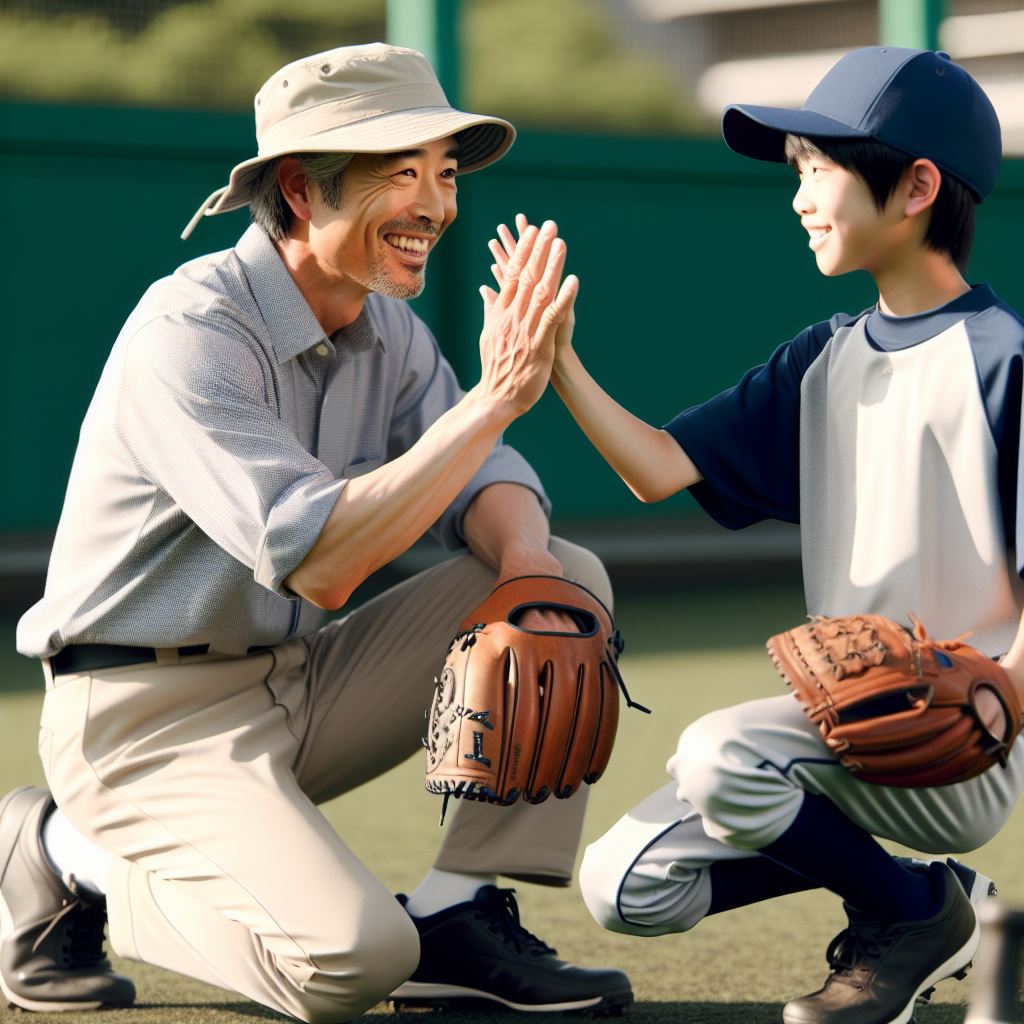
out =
column 201, row 776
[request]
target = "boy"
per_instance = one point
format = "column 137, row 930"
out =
column 892, row 437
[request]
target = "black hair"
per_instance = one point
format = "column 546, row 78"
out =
column 880, row 167
column 267, row 207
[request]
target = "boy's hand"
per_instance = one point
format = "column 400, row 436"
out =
column 502, row 249
column 520, row 319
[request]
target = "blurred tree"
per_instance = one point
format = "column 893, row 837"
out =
column 211, row 54
column 557, row 64
column 548, row 63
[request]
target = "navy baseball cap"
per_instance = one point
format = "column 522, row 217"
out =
column 916, row 101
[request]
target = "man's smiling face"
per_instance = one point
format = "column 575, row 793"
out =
column 393, row 209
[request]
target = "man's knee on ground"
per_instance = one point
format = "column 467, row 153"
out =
column 329, row 987
column 624, row 897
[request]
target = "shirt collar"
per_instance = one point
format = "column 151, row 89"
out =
column 290, row 322
column 896, row 332
column 360, row 335
column 292, row 327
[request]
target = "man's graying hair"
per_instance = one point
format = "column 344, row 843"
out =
column 267, row 206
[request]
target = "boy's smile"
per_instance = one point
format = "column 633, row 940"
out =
column 846, row 229
column 850, row 227
column 818, row 235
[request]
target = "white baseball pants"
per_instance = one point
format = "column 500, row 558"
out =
column 739, row 775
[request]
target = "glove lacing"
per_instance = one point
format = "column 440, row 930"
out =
column 994, row 747
column 501, row 913
column 617, row 645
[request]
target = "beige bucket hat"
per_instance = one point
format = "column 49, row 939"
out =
column 356, row 99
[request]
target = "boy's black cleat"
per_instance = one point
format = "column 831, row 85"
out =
column 881, row 968
column 478, row 955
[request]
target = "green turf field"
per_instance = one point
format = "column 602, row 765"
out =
column 686, row 653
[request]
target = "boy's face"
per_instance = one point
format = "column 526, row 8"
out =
column 847, row 230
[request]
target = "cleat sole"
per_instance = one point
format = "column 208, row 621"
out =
column 420, row 997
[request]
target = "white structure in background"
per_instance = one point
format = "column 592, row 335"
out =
column 774, row 51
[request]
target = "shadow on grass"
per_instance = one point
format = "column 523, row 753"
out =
column 170, row 1012
column 200, row 1010
column 216, row 1012
column 677, row 1013
column 639, row 1013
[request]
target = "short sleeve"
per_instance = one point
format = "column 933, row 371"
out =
column 214, row 442
column 997, row 343
column 745, row 441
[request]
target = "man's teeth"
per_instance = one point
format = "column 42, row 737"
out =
column 417, row 245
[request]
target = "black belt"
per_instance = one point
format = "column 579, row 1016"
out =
column 87, row 657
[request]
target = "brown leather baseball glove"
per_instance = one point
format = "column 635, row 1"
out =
column 523, row 713
column 897, row 707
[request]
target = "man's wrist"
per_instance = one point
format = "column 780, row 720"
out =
column 494, row 410
column 528, row 560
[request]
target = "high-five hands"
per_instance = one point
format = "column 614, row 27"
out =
column 502, row 249
column 521, row 319
column 649, row 460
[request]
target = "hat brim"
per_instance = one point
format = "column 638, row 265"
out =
column 481, row 140
column 760, row 132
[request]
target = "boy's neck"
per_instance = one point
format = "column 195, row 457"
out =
column 927, row 281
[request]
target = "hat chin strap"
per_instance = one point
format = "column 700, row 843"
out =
column 203, row 211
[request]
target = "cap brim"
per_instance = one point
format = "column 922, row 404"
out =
column 481, row 140
column 760, row 132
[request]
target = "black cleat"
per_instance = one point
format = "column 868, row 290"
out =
column 51, row 935
column 978, row 887
column 477, row 955
column 880, row 968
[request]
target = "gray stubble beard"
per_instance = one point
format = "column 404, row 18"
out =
column 383, row 283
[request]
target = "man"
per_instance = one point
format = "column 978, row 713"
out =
column 272, row 427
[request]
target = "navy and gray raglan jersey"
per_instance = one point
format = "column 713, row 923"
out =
column 895, row 443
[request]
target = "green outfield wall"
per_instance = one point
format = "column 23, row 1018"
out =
column 693, row 268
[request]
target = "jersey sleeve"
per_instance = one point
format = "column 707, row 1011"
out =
column 997, row 341
column 745, row 441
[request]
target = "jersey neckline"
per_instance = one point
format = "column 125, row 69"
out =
column 891, row 333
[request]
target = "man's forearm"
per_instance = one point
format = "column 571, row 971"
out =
column 506, row 527
column 381, row 514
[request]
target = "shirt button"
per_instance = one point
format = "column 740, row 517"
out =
column 322, row 349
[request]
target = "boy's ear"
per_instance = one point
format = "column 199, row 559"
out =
column 922, row 181
column 294, row 185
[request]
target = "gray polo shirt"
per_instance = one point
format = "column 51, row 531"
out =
column 222, row 431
